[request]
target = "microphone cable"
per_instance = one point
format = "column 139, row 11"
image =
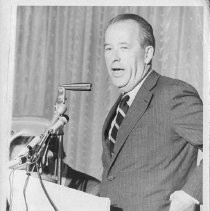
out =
column 11, row 182
column 44, row 189
column 24, row 191
column 25, row 186
column 11, row 178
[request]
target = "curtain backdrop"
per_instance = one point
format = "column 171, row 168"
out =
column 57, row 45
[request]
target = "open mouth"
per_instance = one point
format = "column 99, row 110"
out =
column 117, row 69
column 117, row 72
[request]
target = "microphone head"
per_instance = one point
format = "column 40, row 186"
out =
column 78, row 86
column 61, row 108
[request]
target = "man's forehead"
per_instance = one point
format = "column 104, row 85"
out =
column 123, row 29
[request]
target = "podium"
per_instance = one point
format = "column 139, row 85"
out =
column 65, row 199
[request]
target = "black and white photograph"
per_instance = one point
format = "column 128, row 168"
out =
column 105, row 106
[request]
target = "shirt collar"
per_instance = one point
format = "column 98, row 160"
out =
column 134, row 91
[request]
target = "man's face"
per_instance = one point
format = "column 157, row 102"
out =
column 124, row 55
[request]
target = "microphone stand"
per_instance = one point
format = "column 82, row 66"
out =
column 60, row 134
column 29, row 160
column 60, row 101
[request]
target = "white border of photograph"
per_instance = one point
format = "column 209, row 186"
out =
column 8, row 11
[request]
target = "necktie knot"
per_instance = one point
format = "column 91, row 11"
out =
column 124, row 99
column 123, row 103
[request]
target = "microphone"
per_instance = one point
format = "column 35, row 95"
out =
column 78, row 86
column 21, row 157
column 31, row 144
column 62, row 120
column 61, row 109
column 52, row 129
column 17, row 162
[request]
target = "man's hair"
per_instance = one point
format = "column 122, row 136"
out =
column 146, row 37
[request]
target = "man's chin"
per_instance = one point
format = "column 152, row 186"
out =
column 122, row 85
column 125, row 88
column 119, row 85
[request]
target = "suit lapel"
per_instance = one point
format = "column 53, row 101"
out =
column 135, row 112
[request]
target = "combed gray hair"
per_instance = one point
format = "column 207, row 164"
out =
column 146, row 37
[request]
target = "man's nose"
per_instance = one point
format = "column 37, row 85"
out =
column 116, row 56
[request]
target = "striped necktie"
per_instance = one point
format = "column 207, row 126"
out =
column 121, row 112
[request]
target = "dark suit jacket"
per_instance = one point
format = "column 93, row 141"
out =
column 156, row 147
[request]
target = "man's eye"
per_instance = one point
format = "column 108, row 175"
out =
column 108, row 49
column 124, row 47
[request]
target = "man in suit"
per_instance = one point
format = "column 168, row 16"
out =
column 150, row 148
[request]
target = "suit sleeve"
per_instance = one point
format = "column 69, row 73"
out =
column 187, row 119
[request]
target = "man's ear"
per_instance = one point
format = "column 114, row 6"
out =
column 149, row 52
